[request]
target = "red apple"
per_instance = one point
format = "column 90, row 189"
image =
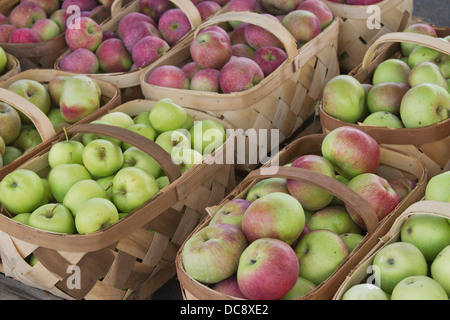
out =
column 81, row 61
column 280, row 6
column 242, row 50
column 231, row 212
column 169, row 76
column 108, row 34
column 136, row 31
column 148, row 49
column 237, row 35
column 89, row 35
column 5, row 32
column 3, row 19
column 402, row 186
column 49, row 6
column 24, row 35
column 302, row 24
column 26, row 14
column 113, row 56
column 190, row 69
column 239, row 6
column 240, row 74
column 257, row 37
column 211, row 49
column 269, row 58
column 60, row 17
column 320, row 10
column 154, row 8
column 84, row 5
column 130, row 18
column 46, row 29
column 206, row 80
column 207, row 8
column 173, row 25
column 230, row 287
column 362, row 2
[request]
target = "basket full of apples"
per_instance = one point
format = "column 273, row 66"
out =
column 296, row 227
column 398, row 71
column 364, row 21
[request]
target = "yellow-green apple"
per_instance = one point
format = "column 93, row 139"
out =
column 420, row 28
column 429, row 233
column 269, row 58
column 231, row 212
column 212, row 254
column 102, row 158
column 229, row 286
column 11, row 154
column 75, row 106
column 154, row 8
column 418, row 288
column 320, row 252
column 242, row 50
column 86, row 138
column 334, row 218
column 207, row 8
column 397, row 261
column 303, row 25
column 427, row 72
column 188, row 123
column 438, row 187
column 95, row 214
column 82, row 191
column 65, row 175
column 142, row 117
column 88, row 35
column 402, row 186
column 352, row 240
column 5, row 32
column 48, row 196
column 106, row 183
column 365, row 291
column 185, row 158
column 60, row 16
column 174, row 25
column 440, row 269
column 422, row 53
column 49, row 6
column 173, row 138
column 148, row 49
column 266, row 186
column 24, row 35
column 135, row 157
column 386, row 96
column 118, row 119
column 129, row 19
column 144, row 130
column 169, row 76
column 67, row 151
column 257, row 37
column 136, row 31
column 424, row 105
column 21, row 191
column 162, row 182
column 272, row 260
column 351, row 151
column 167, row 115
column 367, row 87
column 56, row 118
column 301, row 287
column 280, row 7
column 310, row 196
column 344, row 98
column 383, row 119
column 211, row 49
column 319, row 9
column 207, row 136
column 190, row 69
column 206, row 80
column 53, row 217
column 22, row 217
column 28, row 138
column 25, row 14
column 276, row 215
column 46, row 29
column 132, row 187
column 391, row 70
column 113, row 57
column 10, row 123
column 33, row 91
column 239, row 74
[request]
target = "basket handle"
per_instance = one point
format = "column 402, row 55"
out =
column 39, row 118
column 262, row 21
column 419, row 39
column 362, row 208
column 151, row 148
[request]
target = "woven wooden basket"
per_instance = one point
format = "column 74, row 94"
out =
column 124, row 261
column 12, row 67
column 431, row 144
column 282, row 101
column 355, row 37
column 129, row 82
column 111, row 98
column 393, row 164
column 361, row 272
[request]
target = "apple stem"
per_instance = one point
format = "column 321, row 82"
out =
column 65, row 133
column 53, row 209
column 70, row 157
column 117, row 193
column 109, row 186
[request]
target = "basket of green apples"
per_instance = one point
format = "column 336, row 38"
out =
column 296, row 227
column 399, row 95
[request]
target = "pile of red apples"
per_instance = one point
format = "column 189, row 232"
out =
column 237, row 56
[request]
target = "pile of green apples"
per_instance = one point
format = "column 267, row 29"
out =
column 284, row 237
column 59, row 100
column 417, row 267
column 411, row 91
column 96, row 180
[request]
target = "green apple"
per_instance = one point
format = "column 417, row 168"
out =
column 266, row 186
column 186, row 158
column 438, row 187
column 188, row 123
column 421, row 54
column 162, row 182
column 333, row 218
column 65, row 175
column 102, row 158
column 2, row 146
column 386, row 96
column 418, row 288
column 55, row 117
column 106, row 183
column 351, row 240
column 365, row 291
column 95, row 214
column 142, row 117
column 429, row 233
column 424, row 105
column 33, row 91
column 67, row 151
column 82, row 191
column 52, row 217
column 132, row 187
column 420, row 28
column 207, row 136
column 28, row 138
column 118, row 119
column 22, row 217
column 142, row 129
column 11, row 154
column 21, row 191
column 367, row 87
column 10, row 123
column 172, row 138
column 48, row 196
column 89, row 137
column 301, row 287
column 383, row 119
column 3, row 60
column 134, row 157
column 320, row 252
column 167, row 115
column 344, row 98
column 427, row 72
column 391, row 70
column 440, row 269
column 397, row 261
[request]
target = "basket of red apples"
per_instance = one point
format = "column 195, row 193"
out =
column 399, row 95
column 364, row 21
column 412, row 261
column 34, row 31
column 259, row 74
column 295, row 228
